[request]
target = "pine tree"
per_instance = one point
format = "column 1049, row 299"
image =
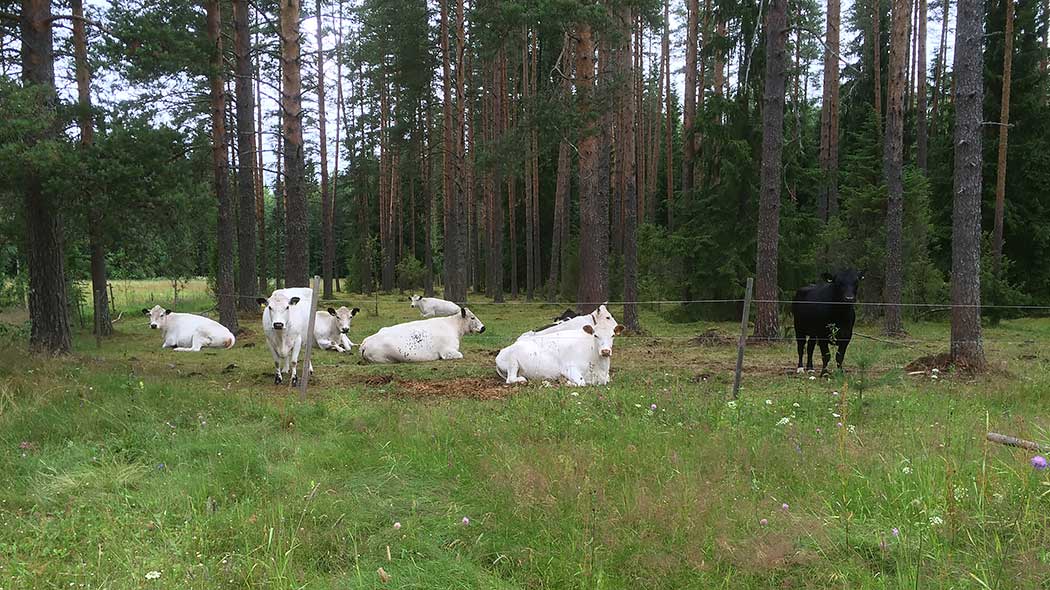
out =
column 327, row 206
column 893, row 162
column 297, row 252
column 246, row 173
column 1004, row 127
column 829, row 117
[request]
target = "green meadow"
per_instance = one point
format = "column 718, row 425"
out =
column 128, row 466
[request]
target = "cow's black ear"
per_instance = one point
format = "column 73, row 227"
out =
column 331, row 311
column 827, row 277
column 167, row 311
column 355, row 311
column 463, row 312
column 261, row 301
column 145, row 311
column 293, row 301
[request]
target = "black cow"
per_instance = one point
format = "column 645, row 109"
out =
column 824, row 312
column 566, row 315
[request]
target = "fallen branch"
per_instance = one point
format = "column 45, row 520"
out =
column 1014, row 442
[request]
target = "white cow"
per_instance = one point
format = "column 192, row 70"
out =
column 421, row 340
column 574, row 323
column 186, row 332
column 580, row 355
column 285, row 321
column 432, row 307
column 332, row 329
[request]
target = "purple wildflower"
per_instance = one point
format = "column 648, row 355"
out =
column 896, row 532
column 653, row 407
column 466, row 521
column 784, row 507
column 397, row 526
column 1039, row 462
column 763, row 522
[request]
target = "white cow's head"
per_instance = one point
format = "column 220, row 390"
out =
column 603, row 328
column 279, row 307
column 343, row 316
column 157, row 316
column 472, row 321
column 415, row 300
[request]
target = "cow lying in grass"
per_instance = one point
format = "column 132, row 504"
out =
column 187, row 332
column 422, row 340
column 432, row 307
column 332, row 329
column 578, row 350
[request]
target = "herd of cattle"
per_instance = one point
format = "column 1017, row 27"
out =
column 577, row 349
column 574, row 348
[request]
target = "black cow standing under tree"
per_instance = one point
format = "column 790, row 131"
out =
column 824, row 313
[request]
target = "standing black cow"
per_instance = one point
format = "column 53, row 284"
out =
column 824, row 312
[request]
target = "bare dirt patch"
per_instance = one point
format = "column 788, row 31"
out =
column 713, row 337
column 459, row 388
column 941, row 362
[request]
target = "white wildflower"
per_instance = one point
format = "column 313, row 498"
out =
column 731, row 404
column 852, row 429
column 936, row 520
column 906, row 470
column 769, row 402
column 795, row 405
column 784, row 421
column 152, row 575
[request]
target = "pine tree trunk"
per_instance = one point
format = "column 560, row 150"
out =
column 260, row 194
column 297, row 248
column 450, row 232
column 457, row 290
column 939, row 72
column 594, row 214
column 327, row 219
column 497, row 221
column 102, row 325
column 224, row 272
column 559, row 228
column 1004, row 127
column 364, row 230
column 876, row 24
column 689, row 95
column 280, row 199
column 967, row 349
column 527, row 120
column 386, row 190
column 829, row 118
column 921, row 133
column 767, row 325
column 669, row 123
column 246, row 174
column 627, row 145
column 428, row 211
column 537, row 255
column 340, row 117
column 893, row 160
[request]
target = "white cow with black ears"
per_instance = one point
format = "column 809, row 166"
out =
column 432, row 307
column 421, row 340
column 332, row 329
column 187, row 332
column 285, row 321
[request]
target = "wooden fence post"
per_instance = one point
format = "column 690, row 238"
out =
column 94, row 312
column 315, row 285
column 743, row 337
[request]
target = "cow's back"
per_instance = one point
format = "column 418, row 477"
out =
column 814, row 309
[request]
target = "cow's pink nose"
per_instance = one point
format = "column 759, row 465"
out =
column 606, row 352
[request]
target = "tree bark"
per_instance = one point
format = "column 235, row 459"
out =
column 939, row 72
column 876, row 24
column 224, row 286
column 428, row 209
column 689, row 95
column 458, row 290
column 280, row 200
column 327, row 219
column 893, row 161
column 527, row 119
column 767, row 325
column 966, row 346
column 340, row 118
column 297, row 249
column 1004, row 127
column 386, row 190
column 559, row 228
column 260, row 194
column 627, row 146
column 829, row 118
column 669, row 123
column 102, row 325
column 246, row 173
column 594, row 213
column 921, row 133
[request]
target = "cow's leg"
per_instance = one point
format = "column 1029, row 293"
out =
column 277, row 377
column 801, row 341
column 512, row 373
column 575, row 377
column 345, row 341
column 296, row 346
column 450, row 355
column 196, row 342
column 809, row 353
column 825, row 356
column 841, row 354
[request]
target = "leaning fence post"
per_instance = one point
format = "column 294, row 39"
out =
column 98, row 324
column 315, row 285
column 743, row 337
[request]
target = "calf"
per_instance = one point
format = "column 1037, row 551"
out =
column 824, row 313
column 186, row 332
column 285, row 321
column 421, row 340
column 581, row 355
column 432, row 307
column 332, row 329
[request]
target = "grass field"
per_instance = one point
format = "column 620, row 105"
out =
column 135, row 467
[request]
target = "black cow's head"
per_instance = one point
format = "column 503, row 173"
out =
column 845, row 282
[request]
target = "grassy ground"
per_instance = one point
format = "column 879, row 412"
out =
column 135, row 467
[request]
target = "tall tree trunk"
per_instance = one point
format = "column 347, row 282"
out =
column 224, row 287
column 594, row 214
column 876, row 25
column 470, row 172
column 497, row 221
column 364, row 230
column 428, row 210
column 669, row 122
column 767, row 325
column 689, row 95
column 627, row 145
column 297, row 256
column 527, row 119
column 559, row 229
column 96, row 239
column 638, row 73
column 966, row 348
column 922, row 136
column 280, row 200
column 1004, row 126
column 939, row 72
column 829, row 118
column 327, row 219
column 260, row 194
column 535, row 165
column 246, row 173
column 48, row 308
column 458, row 290
column 893, row 160
column 454, row 259
column 340, row 118
column 386, row 190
